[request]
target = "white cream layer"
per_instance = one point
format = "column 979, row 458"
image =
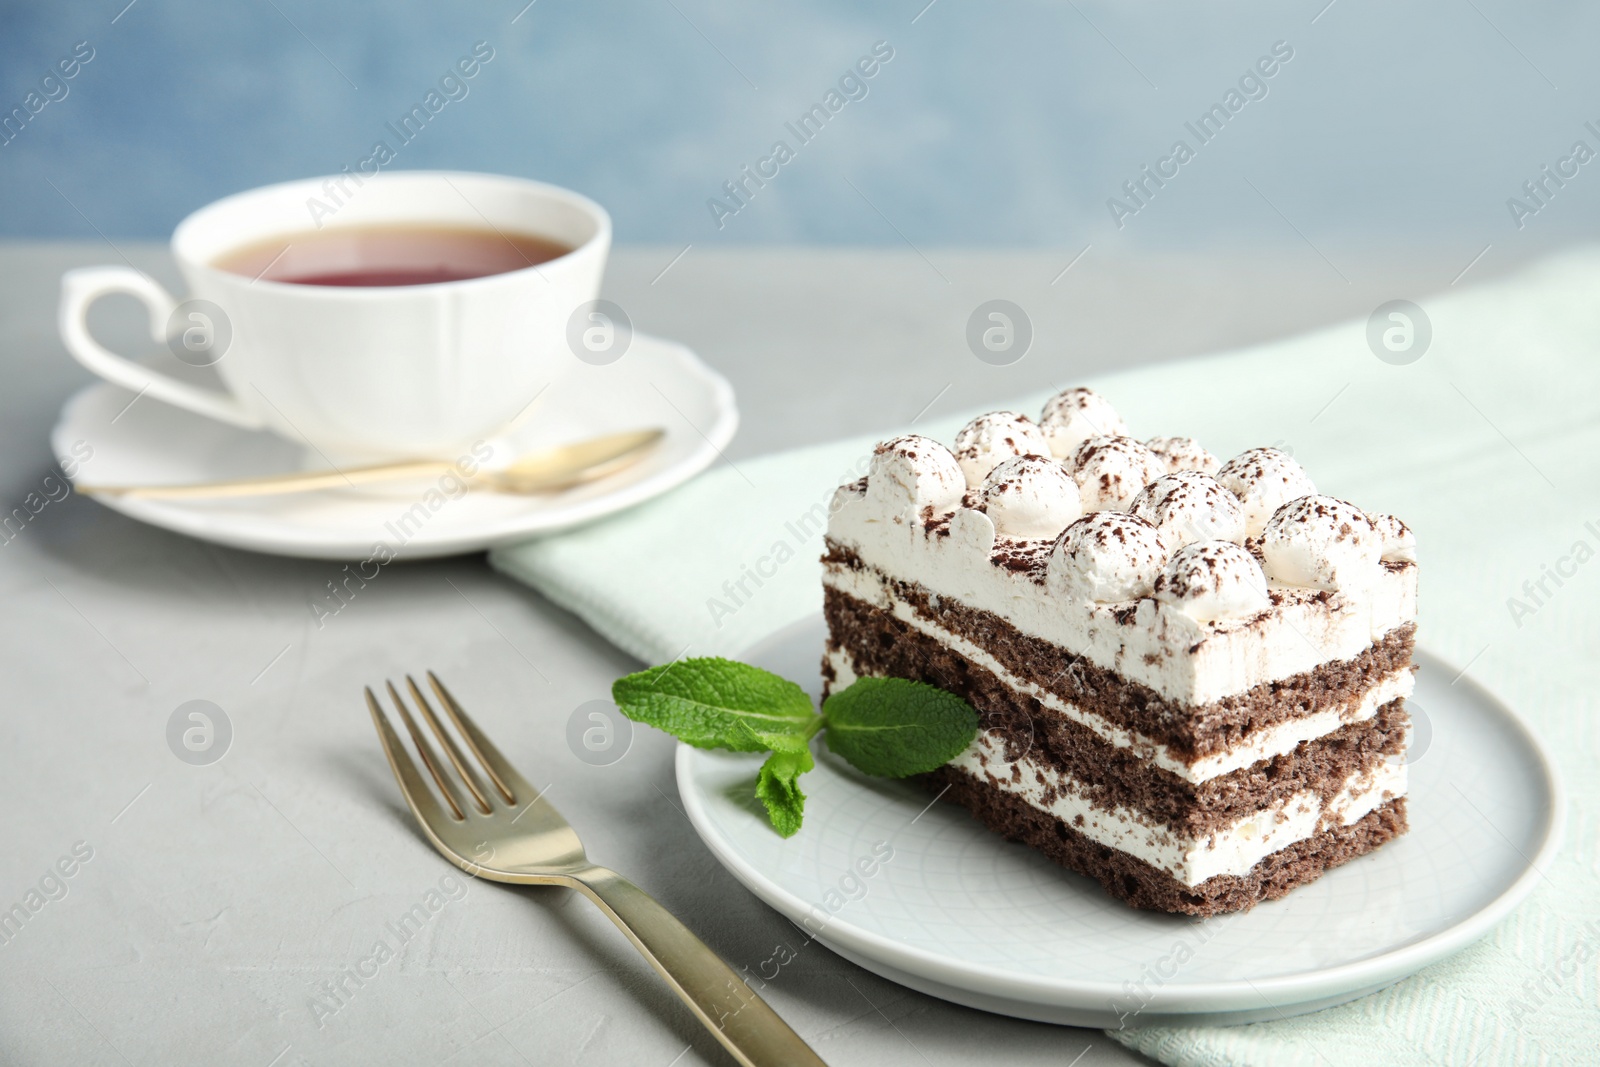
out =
column 1182, row 659
column 1263, row 744
column 1233, row 850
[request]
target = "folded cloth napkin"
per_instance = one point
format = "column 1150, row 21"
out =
column 1488, row 446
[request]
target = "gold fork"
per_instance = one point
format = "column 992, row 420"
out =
column 504, row 831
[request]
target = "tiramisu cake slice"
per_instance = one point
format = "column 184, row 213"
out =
column 1190, row 676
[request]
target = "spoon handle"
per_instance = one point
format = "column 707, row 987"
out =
column 544, row 469
column 272, row 484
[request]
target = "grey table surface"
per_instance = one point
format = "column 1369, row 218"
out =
column 220, row 901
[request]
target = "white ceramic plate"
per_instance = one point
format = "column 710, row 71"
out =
column 656, row 383
column 961, row 914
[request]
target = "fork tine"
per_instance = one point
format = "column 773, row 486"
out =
column 449, row 744
column 430, row 759
column 405, row 770
column 499, row 768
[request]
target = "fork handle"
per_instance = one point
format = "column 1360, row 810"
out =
column 730, row 1009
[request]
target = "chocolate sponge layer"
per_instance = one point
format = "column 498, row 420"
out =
column 1189, row 731
column 1142, row 886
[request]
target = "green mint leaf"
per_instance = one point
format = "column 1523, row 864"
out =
column 703, row 702
column 893, row 727
column 780, row 792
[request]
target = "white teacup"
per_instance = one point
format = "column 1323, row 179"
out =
column 362, row 371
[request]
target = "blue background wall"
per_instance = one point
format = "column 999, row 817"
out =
column 1002, row 124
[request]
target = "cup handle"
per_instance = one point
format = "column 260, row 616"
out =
column 81, row 288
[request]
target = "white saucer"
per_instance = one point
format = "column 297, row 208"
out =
column 657, row 383
column 961, row 914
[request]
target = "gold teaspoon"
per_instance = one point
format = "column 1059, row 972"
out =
column 542, row 471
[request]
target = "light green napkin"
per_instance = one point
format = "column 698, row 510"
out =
column 1488, row 446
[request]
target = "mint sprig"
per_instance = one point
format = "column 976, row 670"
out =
column 889, row 727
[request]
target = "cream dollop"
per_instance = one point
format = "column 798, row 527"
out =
column 1188, row 507
column 1110, row 471
column 1073, row 416
column 1210, row 580
column 1106, row 557
column 1183, row 454
column 989, row 440
column 1031, row 496
column 1264, row 479
column 1322, row 542
column 1399, row 543
column 914, row 471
